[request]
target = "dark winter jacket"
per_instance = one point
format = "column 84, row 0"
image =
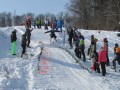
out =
column 13, row 36
column 28, row 32
column 52, row 33
column 28, row 22
column 70, row 32
column 23, row 40
column 94, row 41
column 75, row 36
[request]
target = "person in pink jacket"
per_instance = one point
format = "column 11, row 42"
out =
column 102, row 60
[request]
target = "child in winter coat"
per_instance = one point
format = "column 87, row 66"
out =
column 23, row 44
column 77, row 51
column 13, row 41
column 93, row 42
column 117, row 54
column 95, row 64
column 102, row 60
column 92, row 55
column 82, row 45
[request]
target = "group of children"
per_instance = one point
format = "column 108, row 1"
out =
column 25, row 41
column 97, row 58
column 53, row 23
column 74, row 36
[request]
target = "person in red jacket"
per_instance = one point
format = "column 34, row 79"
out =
column 102, row 60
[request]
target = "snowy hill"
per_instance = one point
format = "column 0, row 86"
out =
column 56, row 69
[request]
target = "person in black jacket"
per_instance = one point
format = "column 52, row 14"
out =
column 13, row 41
column 96, row 65
column 52, row 35
column 23, row 43
column 28, row 34
column 28, row 23
column 70, row 34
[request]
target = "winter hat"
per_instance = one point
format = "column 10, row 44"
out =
column 15, row 30
column 92, row 36
column 105, row 39
column 116, row 45
column 75, row 28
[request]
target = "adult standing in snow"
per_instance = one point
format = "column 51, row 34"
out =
column 82, row 45
column 51, row 23
column 102, row 60
column 13, row 41
column 70, row 34
column 75, row 37
column 60, row 24
column 93, row 41
column 76, row 42
column 106, row 47
column 28, row 22
column 55, row 26
column 46, row 23
column 77, row 51
column 117, row 55
column 23, row 44
column 34, row 23
column 92, row 54
column 28, row 34
column 39, row 23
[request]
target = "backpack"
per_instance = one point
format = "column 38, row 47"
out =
column 95, row 39
column 117, row 50
column 81, row 42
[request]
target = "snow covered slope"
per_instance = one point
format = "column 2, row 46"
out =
column 57, row 69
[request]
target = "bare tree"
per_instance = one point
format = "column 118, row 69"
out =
column 95, row 14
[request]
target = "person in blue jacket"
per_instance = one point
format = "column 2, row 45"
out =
column 55, row 26
column 60, row 24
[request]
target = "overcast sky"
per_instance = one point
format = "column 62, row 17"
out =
column 34, row 6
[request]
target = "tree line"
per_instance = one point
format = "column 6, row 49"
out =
column 95, row 14
column 10, row 19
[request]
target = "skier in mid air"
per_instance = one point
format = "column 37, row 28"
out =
column 52, row 35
